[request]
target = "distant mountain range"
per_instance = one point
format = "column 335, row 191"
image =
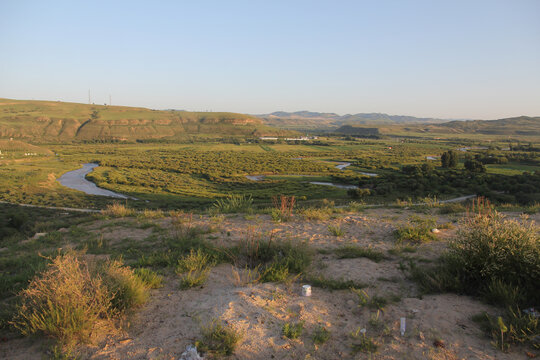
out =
column 305, row 120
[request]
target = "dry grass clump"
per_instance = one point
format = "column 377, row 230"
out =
column 63, row 302
column 117, row 210
column 127, row 290
column 68, row 298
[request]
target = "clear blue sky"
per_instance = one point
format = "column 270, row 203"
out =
column 451, row 59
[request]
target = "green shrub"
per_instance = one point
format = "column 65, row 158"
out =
column 293, row 330
column 219, row 339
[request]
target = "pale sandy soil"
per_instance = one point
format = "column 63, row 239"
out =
column 172, row 319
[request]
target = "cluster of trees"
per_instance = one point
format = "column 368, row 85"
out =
column 421, row 181
column 449, row 159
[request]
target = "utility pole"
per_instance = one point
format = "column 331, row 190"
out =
column 89, row 102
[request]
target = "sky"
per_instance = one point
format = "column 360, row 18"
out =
column 456, row 59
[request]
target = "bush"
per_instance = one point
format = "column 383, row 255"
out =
column 491, row 249
column 499, row 260
column 63, row 302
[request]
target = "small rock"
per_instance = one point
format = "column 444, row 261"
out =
column 439, row 343
column 350, row 303
column 435, row 230
column 38, row 235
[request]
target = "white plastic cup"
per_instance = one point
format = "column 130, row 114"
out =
column 306, row 290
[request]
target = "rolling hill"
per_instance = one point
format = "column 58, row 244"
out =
column 42, row 121
column 306, row 120
column 517, row 126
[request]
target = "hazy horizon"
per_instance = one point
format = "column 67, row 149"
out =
column 457, row 60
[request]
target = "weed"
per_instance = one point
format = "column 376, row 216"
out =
column 219, row 339
column 313, row 213
column 283, row 208
column 336, row 230
column 149, row 277
column 332, row 284
column 417, row 231
column 320, row 335
column 246, row 276
column 232, row 204
column 194, row 278
column 196, row 260
column 292, row 330
column 152, row 214
column 366, row 344
column 349, row 252
column 117, row 210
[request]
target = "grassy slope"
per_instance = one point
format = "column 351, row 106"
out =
column 60, row 121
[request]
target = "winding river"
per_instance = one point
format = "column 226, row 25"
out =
column 76, row 180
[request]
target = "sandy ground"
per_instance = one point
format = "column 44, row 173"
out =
column 173, row 318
